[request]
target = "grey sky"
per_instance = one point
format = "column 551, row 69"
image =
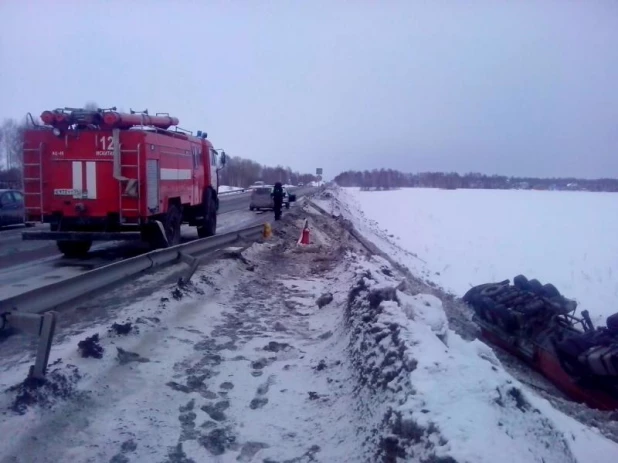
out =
column 524, row 88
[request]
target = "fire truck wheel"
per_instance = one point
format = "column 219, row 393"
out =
column 74, row 248
column 209, row 224
column 173, row 221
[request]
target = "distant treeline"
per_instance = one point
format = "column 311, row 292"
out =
column 386, row 179
column 243, row 172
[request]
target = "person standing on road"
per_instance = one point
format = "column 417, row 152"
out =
column 277, row 195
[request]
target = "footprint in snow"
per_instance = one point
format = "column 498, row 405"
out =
column 249, row 449
column 216, row 411
column 259, row 401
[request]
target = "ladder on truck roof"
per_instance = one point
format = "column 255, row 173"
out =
column 33, row 179
column 128, row 187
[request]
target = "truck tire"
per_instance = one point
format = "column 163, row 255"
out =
column 473, row 293
column 550, row 291
column 521, row 282
column 74, row 248
column 536, row 287
column 172, row 224
column 493, row 290
column 208, row 227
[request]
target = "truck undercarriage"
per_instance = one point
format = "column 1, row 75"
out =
column 538, row 325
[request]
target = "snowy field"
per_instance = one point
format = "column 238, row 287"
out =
column 462, row 238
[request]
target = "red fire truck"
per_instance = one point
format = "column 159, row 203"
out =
column 100, row 175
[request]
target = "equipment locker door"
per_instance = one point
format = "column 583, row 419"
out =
column 197, row 174
column 152, row 185
column 213, row 169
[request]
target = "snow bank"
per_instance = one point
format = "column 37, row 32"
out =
column 462, row 238
column 230, row 189
column 435, row 397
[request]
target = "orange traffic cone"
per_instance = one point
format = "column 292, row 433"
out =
column 304, row 234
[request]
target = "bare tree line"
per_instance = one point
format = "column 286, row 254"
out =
column 11, row 153
column 242, row 172
column 386, row 179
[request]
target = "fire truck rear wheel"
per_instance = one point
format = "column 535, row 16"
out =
column 173, row 221
column 74, row 248
column 209, row 222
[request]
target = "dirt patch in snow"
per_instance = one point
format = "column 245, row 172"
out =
column 122, row 329
column 59, row 385
column 91, row 347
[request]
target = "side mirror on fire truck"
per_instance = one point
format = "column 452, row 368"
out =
column 223, row 158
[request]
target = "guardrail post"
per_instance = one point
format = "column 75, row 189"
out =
column 42, row 326
column 193, row 262
column 46, row 336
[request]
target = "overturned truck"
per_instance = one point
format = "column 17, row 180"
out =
column 538, row 324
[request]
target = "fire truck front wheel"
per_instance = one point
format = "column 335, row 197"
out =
column 74, row 248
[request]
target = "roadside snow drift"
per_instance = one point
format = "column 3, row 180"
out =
column 446, row 399
column 281, row 353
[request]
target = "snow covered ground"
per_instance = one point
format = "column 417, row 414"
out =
column 284, row 353
column 461, row 238
column 230, row 189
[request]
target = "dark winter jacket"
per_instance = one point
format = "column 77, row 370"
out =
column 277, row 193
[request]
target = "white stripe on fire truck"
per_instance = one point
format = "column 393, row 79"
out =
column 77, row 176
column 91, row 179
column 176, row 174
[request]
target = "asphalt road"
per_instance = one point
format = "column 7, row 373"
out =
column 25, row 265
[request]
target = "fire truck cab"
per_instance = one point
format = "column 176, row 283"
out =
column 102, row 175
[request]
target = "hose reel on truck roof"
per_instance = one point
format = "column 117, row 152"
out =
column 63, row 118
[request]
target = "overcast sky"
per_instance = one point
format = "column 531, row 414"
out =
column 520, row 88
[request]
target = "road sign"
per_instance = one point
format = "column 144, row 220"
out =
column 318, row 171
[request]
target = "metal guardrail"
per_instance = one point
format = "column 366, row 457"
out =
column 32, row 312
column 50, row 296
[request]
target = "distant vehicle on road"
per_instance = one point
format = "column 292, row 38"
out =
column 12, row 211
column 261, row 199
column 258, row 184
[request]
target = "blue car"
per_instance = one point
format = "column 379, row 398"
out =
column 12, row 211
